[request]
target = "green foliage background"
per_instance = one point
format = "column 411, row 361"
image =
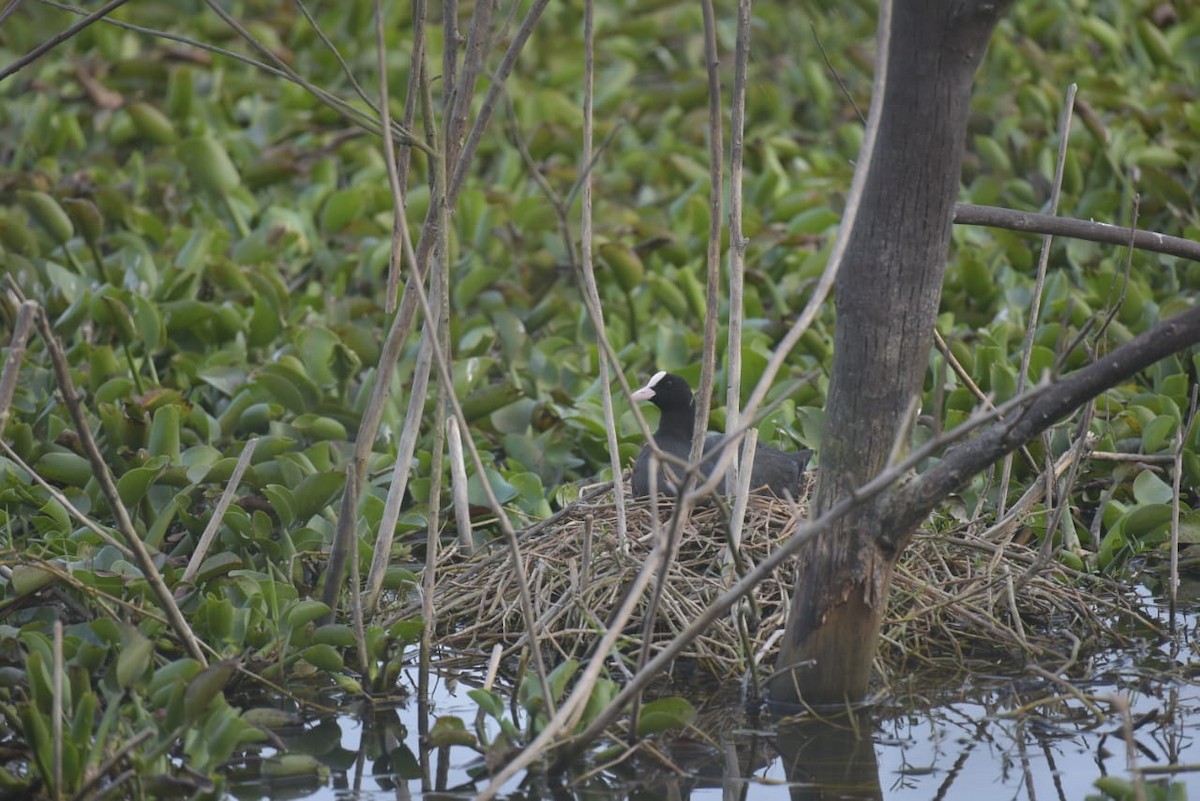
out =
column 211, row 244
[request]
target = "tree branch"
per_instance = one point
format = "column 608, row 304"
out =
column 905, row 509
column 1034, row 223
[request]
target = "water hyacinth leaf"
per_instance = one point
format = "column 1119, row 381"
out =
column 134, row 658
column 468, row 286
column 112, row 310
column 529, row 696
column 135, row 483
column 302, row 613
column 58, row 513
column 292, row 766
column 407, row 631
column 272, row 718
column 502, row 489
column 86, row 217
column 164, row 436
column 150, row 326
column 64, row 467
column 208, row 164
column 1147, row 522
column 317, row 428
column 291, row 388
column 1159, row 434
column 323, row 656
column 625, row 264
column 37, row 734
column 400, row 578
column 338, row 635
column 813, row 221
column 1148, row 488
column 488, row 701
column 489, row 399
column 206, row 687
column 152, row 124
column 219, row 564
column 84, row 718
column 315, row 493
column 282, row 501
column 669, row 295
column 48, row 214
column 28, row 579
column 18, row 238
column 449, row 730
column 664, row 714
column 600, row 699
column 265, row 323
column 341, row 208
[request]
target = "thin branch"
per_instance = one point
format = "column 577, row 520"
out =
column 1182, row 436
column 26, row 315
column 109, row 487
column 1034, row 223
column 58, row 38
column 493, row 96
column 712, row 261
column 1035, row 304
column 337, row 54
column 401, row 249
column 462, row 90
column 737, row 252
column 218, row 515
column 587, row 271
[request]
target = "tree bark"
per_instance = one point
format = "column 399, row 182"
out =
column 888, row 288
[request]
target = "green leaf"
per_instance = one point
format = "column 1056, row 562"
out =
column 663, row 714
column 530, row 697
column 449, row 730
column 205, row 688
column 341, row 208
column 1147, row 520
column 503, row 490
column 600, row 699
column 1148, row 488
column 303, row 612
column 133, row 660
column 64, row 467
column 28, row 579
column 208, row 165
column 1159, row 433
column 323, row 656
column 315, row 493
column 338, row 635
column 488, row 701
column 134, row 484
column 292, row 766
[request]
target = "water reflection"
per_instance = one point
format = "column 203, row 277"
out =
column 1029, row 736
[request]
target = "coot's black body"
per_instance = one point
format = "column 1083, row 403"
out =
column 775, row 472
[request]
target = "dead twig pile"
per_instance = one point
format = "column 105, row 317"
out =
column 955, row 599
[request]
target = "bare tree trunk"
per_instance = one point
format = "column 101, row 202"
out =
column 888, row 289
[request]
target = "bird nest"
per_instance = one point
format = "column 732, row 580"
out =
column 955, row 599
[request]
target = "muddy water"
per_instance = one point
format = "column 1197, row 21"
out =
column 1023, row 736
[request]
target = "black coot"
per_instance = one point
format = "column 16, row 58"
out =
column 775, row 472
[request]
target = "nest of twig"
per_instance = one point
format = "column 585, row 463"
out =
column 955, row 599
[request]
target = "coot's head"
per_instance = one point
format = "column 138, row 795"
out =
column 667, row 391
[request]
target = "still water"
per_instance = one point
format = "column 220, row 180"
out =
column 1022, row 736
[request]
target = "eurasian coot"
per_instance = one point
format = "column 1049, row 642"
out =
column 775, row 472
